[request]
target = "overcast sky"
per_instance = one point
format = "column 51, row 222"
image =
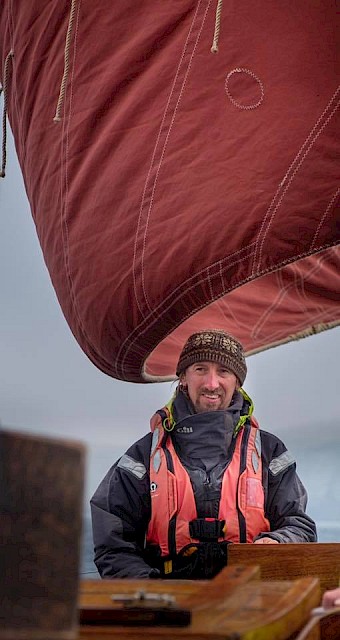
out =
column 48, row 385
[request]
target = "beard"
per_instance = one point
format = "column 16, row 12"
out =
column 210, row 401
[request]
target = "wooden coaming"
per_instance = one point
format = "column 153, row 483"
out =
column 291, row 561
column 234, row 606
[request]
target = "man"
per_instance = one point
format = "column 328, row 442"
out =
column 205, row 476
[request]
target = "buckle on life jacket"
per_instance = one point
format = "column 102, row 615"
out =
column 167, row 566
column 207, row 529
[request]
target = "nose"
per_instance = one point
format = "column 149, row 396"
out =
column 211, row 380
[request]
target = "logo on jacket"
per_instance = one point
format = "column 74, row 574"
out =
column 184, row 430
column 153, row 486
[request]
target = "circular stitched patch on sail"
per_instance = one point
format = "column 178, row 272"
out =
column 244, row 89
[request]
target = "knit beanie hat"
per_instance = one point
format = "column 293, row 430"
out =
column 212, row 345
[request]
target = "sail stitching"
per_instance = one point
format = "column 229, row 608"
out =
column 163, row 152
column 154, row 154
column 301, row 291
column 181, row 291
column 276, row 338
column 292, row 176
column 227, row 310
column 64, row 223
column 64, row 79
column 131, row 339
column 137, row 332
column 314, row 329
column 295, row 166
column 224, row 261
column 214, row 46
column 4, row 90
column 222, row 276
column 210, row 283
column 283, row 292
column 298, row 166
column 246, row 107
column 328, row 208
column 299, row 288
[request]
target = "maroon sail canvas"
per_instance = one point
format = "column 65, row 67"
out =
column 179, row 188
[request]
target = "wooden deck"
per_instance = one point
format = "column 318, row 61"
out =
column 265, row 593
column 236, row 605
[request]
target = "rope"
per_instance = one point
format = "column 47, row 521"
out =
column 4, row 119
column 214, row 48
column 62, row 91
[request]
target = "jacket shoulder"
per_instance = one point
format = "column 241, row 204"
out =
column 140, row 450
column 275, row 453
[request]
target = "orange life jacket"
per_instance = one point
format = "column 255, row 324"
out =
column 173, row 505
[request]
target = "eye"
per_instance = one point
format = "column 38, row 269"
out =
column 224, row 371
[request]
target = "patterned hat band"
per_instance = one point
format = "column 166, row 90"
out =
column 213, row 346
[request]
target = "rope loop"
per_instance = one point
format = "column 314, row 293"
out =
column 214, row 47
column 62, row 91
column 4, row 90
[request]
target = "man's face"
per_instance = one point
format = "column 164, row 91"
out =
column 210, row 386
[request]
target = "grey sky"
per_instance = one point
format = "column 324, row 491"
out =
column 47, row 384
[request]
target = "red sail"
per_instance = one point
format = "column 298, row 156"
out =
column 180, row 188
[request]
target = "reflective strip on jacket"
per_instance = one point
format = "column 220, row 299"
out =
column 172, row 498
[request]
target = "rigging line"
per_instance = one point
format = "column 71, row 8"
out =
column 4, row 115
column 57, row 117
column 214, row 47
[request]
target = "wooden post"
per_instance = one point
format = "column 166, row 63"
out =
column 41, row 502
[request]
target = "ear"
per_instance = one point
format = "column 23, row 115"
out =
column 182, row 379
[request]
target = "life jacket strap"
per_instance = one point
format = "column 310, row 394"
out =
column 207, row 529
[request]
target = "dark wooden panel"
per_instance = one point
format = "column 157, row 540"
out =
column 41, row 499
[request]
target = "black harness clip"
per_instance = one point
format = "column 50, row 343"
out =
column 207, row 529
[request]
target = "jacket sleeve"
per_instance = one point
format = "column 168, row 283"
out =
column 120, row 510
column 285, row 495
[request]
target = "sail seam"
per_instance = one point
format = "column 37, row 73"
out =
column 174, row 114
column 143, row 326
column 159, row 163
column 282, row 294
column 153, row 158
column 186, row 290
column 328, row 208
column 65, row 190
column 304, row 333
column 225, row 262
column 295, row 166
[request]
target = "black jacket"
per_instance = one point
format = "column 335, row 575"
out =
column 121, row 506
